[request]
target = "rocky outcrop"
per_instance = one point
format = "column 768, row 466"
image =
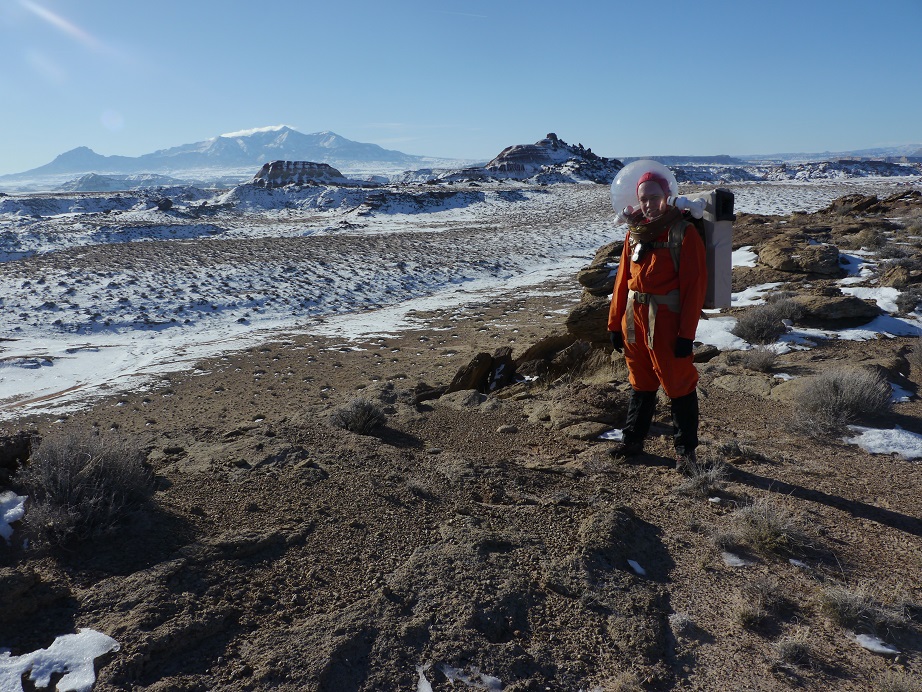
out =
column 599, row 277
column 589, row 321
column 548, row 160
column 800, row 254
column 819, row 310
column 279, row 173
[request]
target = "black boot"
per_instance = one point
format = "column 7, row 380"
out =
column 685, row 431
column 637, row 424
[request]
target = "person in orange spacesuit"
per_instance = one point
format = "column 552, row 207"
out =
column 653, row 317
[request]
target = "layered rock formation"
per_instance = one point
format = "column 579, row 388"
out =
column 548, row 160
column 279, row 173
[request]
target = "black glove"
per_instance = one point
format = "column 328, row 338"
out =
column 617, row 340
column 684, row 347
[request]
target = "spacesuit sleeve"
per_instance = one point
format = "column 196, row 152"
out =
column 619, row 296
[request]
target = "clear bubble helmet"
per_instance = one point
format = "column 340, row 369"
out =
column 624, row 186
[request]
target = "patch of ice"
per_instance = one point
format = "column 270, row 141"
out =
column 891, row 441
column 71, row 654
column 476, row 680
column 799, row 563
column 734, row 560
column 900, row 395
column 12, row 508
column 637, row 568
column 615, row 435
column 423, row 685
column 783, row 376
column 876, row 645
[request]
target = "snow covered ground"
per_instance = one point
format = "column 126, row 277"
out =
column 99, row 291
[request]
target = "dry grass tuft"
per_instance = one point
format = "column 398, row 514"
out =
column 768, row 528
column 82, row 484
column 708, row 478
column 758, row 600
column 862, row 608
column 795, row 649
column 760, row 359
column 898, row 681
column 360, row 416
column 828, row 402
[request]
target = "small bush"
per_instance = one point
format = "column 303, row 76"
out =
column 768, row 528
column 760, row 325
column 794, row 650
column 760, row 359
column 828, row 402
column 359, row 416
column 870, row 238
column 860, row 608
column 785, row 305
column 907, row 301
column 758, row 600
column 81, row 485
column 705, row 480
column 898, row 681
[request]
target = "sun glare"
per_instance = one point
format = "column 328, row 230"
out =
column 63, row 24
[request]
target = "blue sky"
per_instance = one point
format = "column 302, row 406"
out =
column 461, row 80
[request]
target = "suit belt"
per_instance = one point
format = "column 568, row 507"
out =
column 669, row 300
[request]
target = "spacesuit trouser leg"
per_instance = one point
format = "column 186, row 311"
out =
column 640, row 411
column 685, row 423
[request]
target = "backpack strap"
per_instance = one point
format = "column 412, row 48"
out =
column 674, row 243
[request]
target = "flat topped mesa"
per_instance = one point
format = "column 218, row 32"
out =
column 279, row 173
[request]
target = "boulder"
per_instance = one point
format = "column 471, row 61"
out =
column 897, row 276
column 473, row 375
column 598, row 280
column 753, row 385
column 589, row 321
column 610, row 253
column 502, row 369
column 797, row 254
column 820, row 309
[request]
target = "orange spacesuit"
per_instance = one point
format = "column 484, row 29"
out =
column 654, row 314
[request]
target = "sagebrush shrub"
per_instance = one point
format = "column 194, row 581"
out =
column 359, row 416
column 828, row 402
column 82, row 484
column 907, row 301
column 761, row 324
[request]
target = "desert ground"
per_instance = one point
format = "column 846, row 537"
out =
column 478, row 541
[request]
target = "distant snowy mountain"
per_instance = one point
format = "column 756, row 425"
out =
column 241, row 153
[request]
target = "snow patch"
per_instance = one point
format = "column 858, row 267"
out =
column 12, row 508
column 906, row 444
column 71, row 654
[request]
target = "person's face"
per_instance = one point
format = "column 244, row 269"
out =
column 651, row 198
